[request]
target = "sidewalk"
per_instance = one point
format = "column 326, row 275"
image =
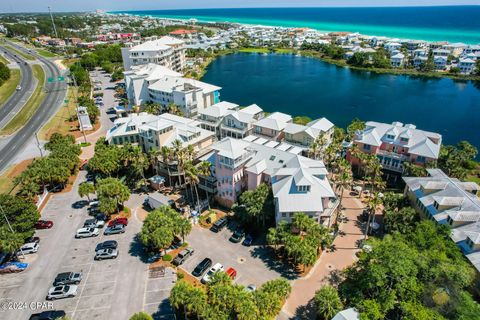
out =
column 299, row 305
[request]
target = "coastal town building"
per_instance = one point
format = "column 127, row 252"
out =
column 466, row 65
column 397, row 60
column 212, row 116
column 304, row 135
column 272, row 126
column 395, row 144
column 166, row 51
column 153, row 132
column 239, row 124
column 449, row 201
column 156, row 83
column 299, row 184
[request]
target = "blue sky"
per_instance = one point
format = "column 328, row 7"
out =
column 88, row 5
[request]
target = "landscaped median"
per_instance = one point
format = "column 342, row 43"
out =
column 21, row 53
column 30, row 107
column 8, row 88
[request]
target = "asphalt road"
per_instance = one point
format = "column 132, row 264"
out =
column 19, row 97
column 55, row 95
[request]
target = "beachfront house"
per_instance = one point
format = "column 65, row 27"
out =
column 212, row 116
column 440, row 62
column 299, row 184
column 304, row 135
column 397, row 60
column 166, row 51
column 451, row 202
column 395, row 144
column 239, row 124
column 153, row 132
column 392, row 46
column 466, row 65
column 272, row 126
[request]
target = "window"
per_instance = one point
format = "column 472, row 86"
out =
column 421, row 159
column 258, row 129
column 390, row 136
column 436, row 205
column 303, row 188
column 404, row 140
column 367, row 147
column 284, row 214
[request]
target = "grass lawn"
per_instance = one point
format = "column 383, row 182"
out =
column 254, row 50
column 59, row 122
column 30, row 107
column 8, row 88
column 25, row 55
column 46, row 53
column 6, row 179
column 3, row 60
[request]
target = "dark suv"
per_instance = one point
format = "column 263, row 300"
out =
column 219, row 224
column 67, row 278
column 202, row 267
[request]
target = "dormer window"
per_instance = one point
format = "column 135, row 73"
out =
column 303, row 188
column 390, row 137
column 405, row 140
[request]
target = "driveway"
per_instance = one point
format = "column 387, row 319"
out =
column 299, row 304
column 110, row 289
column 254, row 264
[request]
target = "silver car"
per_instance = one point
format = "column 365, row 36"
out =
column 106, row 254
column 29, row 248
column 60, row 292
column 115, row 229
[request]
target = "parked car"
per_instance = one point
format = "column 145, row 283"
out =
column 232, row 273
column 67, row 278
column 29, row 248
column 115, row 229
column 43, row 224
column 183, row 256
column 106, row 254
column 216, row 268
column 109, row 244
column 33, row 239
column 101, row 216
column 48, row 315
column 237, row 236
column 94, row 203
column 13, row 267
column 250, row 288
column 122, row 221
column 60, row 292
column 248, row 240
column 219, row 224
column 202, row 267
column 93, row 223
column 87, row 232
column 93, row 211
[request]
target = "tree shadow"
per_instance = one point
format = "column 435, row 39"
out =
column 164, row 311
column 273, row 262
column 137, row 250
column 307, row 311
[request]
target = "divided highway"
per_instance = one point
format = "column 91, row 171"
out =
column 19, row 97
column 55, row 95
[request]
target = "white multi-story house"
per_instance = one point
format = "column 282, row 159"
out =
column 449, row 201
column 211, row 117
column 299, row 184
column 397, row 60
column 239, row 124
column 419, row 61
column 154, row 132
column 166, row 51
column 155, row 83
column 466, row 65
column 272, row 126
column 392, row 46
column 440, row 62
column 304, row 135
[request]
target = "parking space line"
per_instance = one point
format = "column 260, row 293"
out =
column 159, row 290
column 97, row 295
column 98, row 308
column 80, row 295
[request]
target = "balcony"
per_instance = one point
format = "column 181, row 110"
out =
column 392, row 155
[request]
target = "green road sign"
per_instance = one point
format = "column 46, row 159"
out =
column 58, row 79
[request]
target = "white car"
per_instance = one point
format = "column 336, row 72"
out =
column 27, row 248
column 87, row 232
column 216, row 268
column 19, row 88
column 60, row 292
column 106, row 254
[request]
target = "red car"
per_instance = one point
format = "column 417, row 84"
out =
column 123, row 221
column 43, row 224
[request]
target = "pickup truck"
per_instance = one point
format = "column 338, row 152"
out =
column 182, row 256
column 67, row 278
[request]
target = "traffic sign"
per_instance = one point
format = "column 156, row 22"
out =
column 58, row 79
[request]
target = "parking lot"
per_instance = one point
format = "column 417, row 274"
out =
column 254, row 264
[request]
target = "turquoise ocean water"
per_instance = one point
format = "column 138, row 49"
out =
column 453, row 24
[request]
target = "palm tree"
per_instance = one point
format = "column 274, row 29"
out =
column 153, row 159
column 314, row 149
column 166, row 154
column 204, row 169
column 373, row 202
column 179, row 155
column 327, row 302
column 192, row 173
column 343, row 180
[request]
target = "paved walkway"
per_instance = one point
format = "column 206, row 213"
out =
column 299, row 305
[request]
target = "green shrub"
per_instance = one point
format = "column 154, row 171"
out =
column 180, row 276
column 167, row 257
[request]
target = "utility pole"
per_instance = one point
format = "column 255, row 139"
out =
column 76, row 102
column 53, row 22
column 10, row 227
column 38, row 144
